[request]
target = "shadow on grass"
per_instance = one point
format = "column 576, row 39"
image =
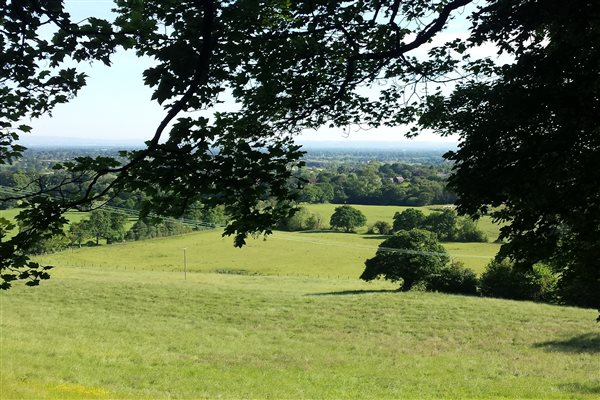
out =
column 352, row 292
column 324, row 231
column 587, row 343
column 376, row 237
column 579, row 388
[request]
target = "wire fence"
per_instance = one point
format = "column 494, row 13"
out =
column 176, row 270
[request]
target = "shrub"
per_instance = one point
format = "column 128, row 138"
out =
column 453, row 278
column 467, row 232
column 543, row 282
column 302, row 220
column 502, row 279
column 381, row 227
column 499, row 280
column 313, row 222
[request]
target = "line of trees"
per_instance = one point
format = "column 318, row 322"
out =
column 415, row 259
column 378, row 184
column 101, row 224
column 110, row 227
column 146, row 228
column 357, row 183
column 446, row 225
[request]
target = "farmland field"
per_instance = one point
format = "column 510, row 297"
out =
column 323, row 254
column 98, row 333
column 386, row 213
column 72, row 216
column 284, row 317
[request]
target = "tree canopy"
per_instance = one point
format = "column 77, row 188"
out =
column 407, row 257
column 530, row 137
column 347, row 218
column 528, row 122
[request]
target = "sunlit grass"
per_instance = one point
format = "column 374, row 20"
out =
column 99, row 333
column 319, row 254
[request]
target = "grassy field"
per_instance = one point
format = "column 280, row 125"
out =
column 373, row 214
column 307, row 253
column 98, row 333
column 324, row 254
column 281, row 318
column 72, row 216
column 386, row 213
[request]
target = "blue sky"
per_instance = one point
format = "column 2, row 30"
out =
column 116, row 106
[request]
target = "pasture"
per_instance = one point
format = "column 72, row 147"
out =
column 9, row 214
column 322, row 254
column 386, row 213
column 284, row 317
column 102, row 333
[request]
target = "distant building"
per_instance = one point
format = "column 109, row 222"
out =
column 398, row 179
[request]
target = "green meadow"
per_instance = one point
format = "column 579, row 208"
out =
column 386, row 213
column 285, row 317
column 322, row 254
column 10, row 214
column 102, row 333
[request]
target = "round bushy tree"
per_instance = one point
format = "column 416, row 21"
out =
column 408, row 219
column 347, row 218
column 408, row 256
column 443, row 224
column 467, row 232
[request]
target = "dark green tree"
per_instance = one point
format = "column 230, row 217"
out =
column 347, row 218
column 138, row 231
column 407, row 257
column 443, row 224
column 78, row 232
column 530, row 141
column 411, row 218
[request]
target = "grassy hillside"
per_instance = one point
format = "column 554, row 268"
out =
column 98, row 333
column 72, row 216
column 386, row 213
column 284, row 253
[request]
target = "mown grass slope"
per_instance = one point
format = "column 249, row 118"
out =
column 324, row 254
column 386, row 213
column 98, row 333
